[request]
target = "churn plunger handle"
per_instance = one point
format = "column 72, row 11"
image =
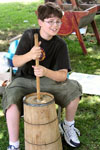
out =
column 37, row 63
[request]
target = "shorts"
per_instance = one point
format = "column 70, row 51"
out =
column 63, row 92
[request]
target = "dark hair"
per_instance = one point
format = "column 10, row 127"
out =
column 54, row 1
column 49, row 10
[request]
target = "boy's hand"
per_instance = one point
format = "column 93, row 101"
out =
column 39, row 71
column 35, row 52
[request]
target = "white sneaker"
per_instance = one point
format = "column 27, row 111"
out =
column 11, row 147
column 70, row 134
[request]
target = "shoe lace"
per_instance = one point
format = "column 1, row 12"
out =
column 72, row 131
column 77, row 131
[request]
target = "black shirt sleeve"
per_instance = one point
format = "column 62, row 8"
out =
column 25, row 43
column 62, row 56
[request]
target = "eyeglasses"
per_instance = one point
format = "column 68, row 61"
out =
column 58, row 23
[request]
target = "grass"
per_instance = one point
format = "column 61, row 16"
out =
column 17, row 17
column 14, row 19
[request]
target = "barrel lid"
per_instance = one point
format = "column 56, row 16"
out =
column 45, row 99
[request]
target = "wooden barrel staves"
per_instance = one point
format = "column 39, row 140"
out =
column 41, row 123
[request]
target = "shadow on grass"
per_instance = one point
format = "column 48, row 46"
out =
column 83, row 63
column 3, row 134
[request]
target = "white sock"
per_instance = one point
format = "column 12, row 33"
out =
column 16, row 144
column 69, row 123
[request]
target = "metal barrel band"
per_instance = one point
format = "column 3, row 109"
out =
column 43, row 144
column 39, row 105
column 40, row 124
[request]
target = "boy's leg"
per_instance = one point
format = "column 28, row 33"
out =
column 13, row 118
column 71, row 109
column 67, row 94
column 12, row 103
column 67, row 127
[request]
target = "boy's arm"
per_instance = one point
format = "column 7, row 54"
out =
column 34, row 53
column 59, row 75
column 20, row 60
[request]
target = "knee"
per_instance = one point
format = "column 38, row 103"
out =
column 74, row 102
column 12, row 108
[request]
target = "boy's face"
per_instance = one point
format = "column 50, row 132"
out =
column 50, row 26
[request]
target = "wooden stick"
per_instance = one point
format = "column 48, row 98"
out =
column 74, row 4
column 37, row 63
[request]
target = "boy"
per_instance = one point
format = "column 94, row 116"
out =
column 53, row 69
